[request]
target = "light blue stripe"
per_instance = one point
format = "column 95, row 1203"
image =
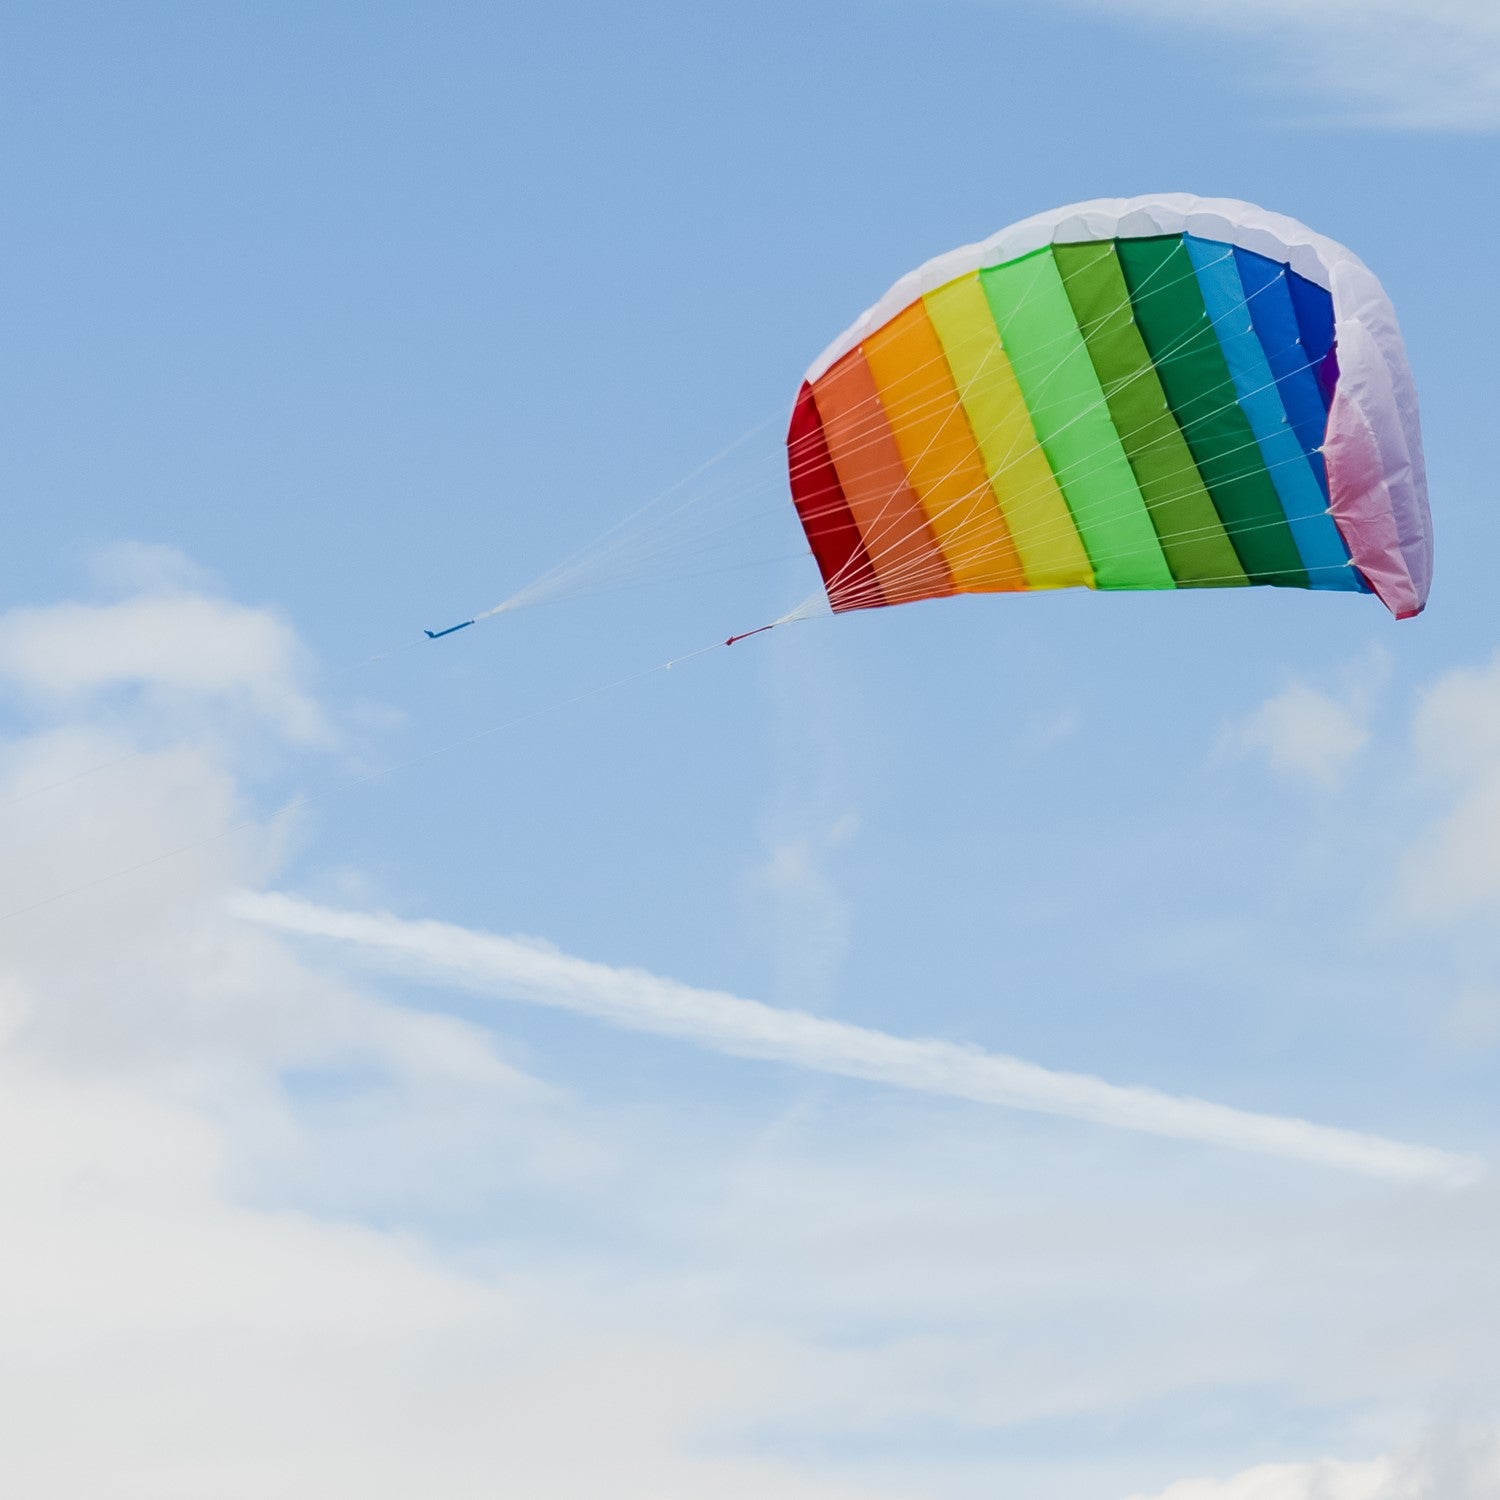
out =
column 1319, row 543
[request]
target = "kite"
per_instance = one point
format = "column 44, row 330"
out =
column 1149, row 393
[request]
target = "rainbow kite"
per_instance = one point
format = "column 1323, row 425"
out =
column 1145, row 393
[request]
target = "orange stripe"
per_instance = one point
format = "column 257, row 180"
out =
column 943, row 462
column 900, row 544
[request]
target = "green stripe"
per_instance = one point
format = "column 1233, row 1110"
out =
column 1072, row 422
column 1188, row 526
column 1176, row 327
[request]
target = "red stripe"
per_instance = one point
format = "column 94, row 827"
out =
column 826, row 517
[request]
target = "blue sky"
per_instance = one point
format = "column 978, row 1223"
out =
column 505, row 1066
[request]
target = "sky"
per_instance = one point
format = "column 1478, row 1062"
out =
column 1039, row 1046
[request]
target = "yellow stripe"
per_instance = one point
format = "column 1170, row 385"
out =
column 1040, row 522
column 937, row 447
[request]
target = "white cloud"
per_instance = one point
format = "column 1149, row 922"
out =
column 1304, row 734
column 1327, row 1479
column 1454, row 869
column 177, row 645
column 525, row 969
column 1457, row 727
column 1414, row 63
column 265, row 1231
column 188, row 1308
column 163, row 1340
column 1451, row 1464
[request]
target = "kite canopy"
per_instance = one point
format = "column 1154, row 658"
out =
column 1144, row 393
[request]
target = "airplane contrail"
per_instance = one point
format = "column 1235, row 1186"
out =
column 527, row 970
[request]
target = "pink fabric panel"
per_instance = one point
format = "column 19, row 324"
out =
column 1375, row 421
column 1361, row 503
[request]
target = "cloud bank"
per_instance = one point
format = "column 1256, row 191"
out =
column 217, row 1166
column 265, row 1230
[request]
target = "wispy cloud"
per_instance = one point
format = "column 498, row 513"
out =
column 1414, row 63
column 129, row 568
column 811, row 917
column 524, row 969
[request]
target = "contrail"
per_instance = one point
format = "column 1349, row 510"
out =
column 524, row 969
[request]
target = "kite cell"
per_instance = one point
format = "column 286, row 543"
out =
column 1146, row 393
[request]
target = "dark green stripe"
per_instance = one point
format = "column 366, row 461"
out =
column 1191, row 533
column 1176, row 327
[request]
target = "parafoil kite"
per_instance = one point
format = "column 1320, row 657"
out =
column 1146, row 393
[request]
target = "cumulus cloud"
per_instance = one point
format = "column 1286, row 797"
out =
column 1303, row 734
column 1307, row 734
column 179, row 645
column 1454, row 871
column 1426, row 64
column 1457, row 727
column 525, row 969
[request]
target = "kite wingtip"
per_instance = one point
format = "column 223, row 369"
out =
column 747, row 634
column 437, row 635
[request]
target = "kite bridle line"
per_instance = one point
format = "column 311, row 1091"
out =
column 587, row 571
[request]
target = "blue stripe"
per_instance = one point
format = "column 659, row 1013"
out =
column 1265, row 287
column 1313, row 306
column 1319, row 542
